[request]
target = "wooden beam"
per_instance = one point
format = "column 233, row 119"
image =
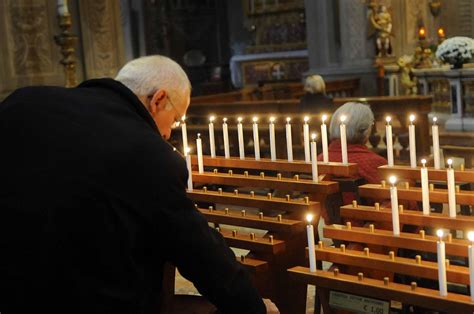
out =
column 253, row 221
column 322, row 187
column 386, row 238
column 400, row 265
column 254, row 266
column 453, row 303
column 280, row 165
column 409, row 217
column 276, row 203
column 258, row 245
column 376, row 191
column 406, row 172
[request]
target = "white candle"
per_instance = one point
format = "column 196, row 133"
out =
column 289, row 144
column 441, row 249
column 225, row 133
column 394, row 202
column 212, row 141
column 435, row 133
column 307, row 157
column 256, row 141
column 272, row 139
column 184, row 134
column 314, row 158
column 343, row 141
column 190, row 169
column 411, row 137
column 324, row 139
column 311, row 248
column 425, row 192
column 62, row 7
column 199, row 152
column 240, row 135
column 451, row 190
column 388, row 136
column 470, row 254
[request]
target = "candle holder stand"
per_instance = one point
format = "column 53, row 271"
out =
column 67, row 42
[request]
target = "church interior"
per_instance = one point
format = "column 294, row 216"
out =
column 326, row 234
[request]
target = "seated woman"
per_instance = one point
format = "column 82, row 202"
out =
column 359, row 122
column 315, row 99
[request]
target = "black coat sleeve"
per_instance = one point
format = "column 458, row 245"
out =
column 199, row 252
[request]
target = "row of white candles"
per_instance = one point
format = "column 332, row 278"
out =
column 306, row 140
column 412, row 142
column 289, row 141
column 440, row 248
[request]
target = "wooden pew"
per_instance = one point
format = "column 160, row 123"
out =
column 383, row 290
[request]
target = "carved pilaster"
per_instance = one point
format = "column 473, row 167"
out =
column 28, row 55
column 102, row 37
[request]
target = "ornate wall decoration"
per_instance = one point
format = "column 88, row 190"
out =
column 276, row 25
column 30, row 47
column 28, row 54
column 102, row 37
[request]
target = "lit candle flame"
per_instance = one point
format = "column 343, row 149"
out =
column 309, row 218
column 441, row 32
column 212, row 118
column 392, row 179
column 388, row 119
column 423, row 161
column 343, row 118
column 306, row 119
column 225, row 120
column 450, row 162
column 272, row 119
column 324, row 118
column 239, row 119
column 412, row 117
column 435, row 119
column 255, row 119
column 313, row 136
column 422, row 31
column 199, row 135
column 288, row 119
column 470, row 236
column 187, row 150
column 440, row 233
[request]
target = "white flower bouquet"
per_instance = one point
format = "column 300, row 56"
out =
column 456, row 51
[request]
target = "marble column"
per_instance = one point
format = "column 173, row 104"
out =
column 338, row 46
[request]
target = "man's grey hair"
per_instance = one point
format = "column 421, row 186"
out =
column 359, row 121
column 314, row 84
column 146, row 75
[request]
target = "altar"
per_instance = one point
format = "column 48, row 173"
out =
column 453, row 92
column 250, row 69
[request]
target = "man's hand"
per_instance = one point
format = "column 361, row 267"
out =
column 271, row 307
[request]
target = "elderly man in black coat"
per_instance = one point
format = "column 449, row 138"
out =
column 93, row 200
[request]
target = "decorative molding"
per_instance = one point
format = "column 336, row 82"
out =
column 102, row 37
column 28, row 54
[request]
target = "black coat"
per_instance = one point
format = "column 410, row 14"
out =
column 93, row 202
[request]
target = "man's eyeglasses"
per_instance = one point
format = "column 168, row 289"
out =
column 178, row 118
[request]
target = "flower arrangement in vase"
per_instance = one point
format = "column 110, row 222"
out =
column 456, row 51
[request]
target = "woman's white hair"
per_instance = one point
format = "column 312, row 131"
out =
column 314, row 84
column 146, row 75
column 359, row 121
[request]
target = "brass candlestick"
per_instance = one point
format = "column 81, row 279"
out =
column 67, row 41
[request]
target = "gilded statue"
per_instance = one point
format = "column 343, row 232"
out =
column 407, row 80
column 381, row 26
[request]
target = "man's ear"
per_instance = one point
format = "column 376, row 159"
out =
column 158, row 101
